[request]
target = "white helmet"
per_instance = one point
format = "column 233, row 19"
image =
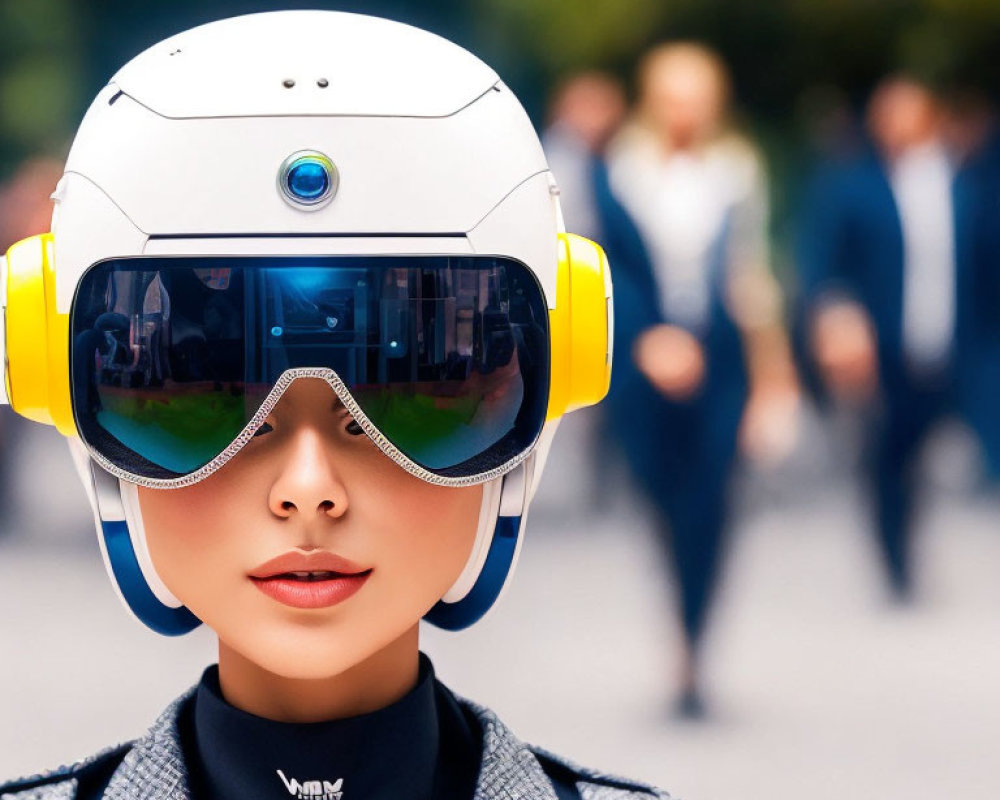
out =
column 318, row 139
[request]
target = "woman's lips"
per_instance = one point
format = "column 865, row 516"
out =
column 307, row 561
column 314, row 579
column 314, row 592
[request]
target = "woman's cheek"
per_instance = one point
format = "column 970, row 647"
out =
column 176, row 523
column 450, row 518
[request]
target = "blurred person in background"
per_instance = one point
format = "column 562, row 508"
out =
column 970, row 131
column 702, row 361
column 585, row 111
column 886, row 256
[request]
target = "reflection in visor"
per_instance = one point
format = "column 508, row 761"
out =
column 446, row 356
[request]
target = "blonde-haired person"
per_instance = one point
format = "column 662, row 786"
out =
column 702, row 355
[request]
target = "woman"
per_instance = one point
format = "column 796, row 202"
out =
column 306, row 412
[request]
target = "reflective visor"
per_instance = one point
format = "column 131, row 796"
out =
column 173, row 358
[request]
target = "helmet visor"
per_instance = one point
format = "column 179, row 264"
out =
column 444, row 360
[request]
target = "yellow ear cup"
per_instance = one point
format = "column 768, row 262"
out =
column 580, row 327
column 37, row 337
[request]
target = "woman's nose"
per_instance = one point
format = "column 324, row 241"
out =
column 308, row 482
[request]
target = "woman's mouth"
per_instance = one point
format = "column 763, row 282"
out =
column 310, row 576
column 313, row 579
column 307, row 589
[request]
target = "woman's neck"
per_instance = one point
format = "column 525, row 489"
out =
column 374, row 683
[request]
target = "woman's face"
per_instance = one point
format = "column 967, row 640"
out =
column 313, row 488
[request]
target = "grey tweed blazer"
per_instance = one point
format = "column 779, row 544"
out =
column 154, row 769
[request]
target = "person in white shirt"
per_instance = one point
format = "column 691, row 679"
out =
column 710, row 355
column 882, row 282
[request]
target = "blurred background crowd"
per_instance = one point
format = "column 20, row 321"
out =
column 800, row 201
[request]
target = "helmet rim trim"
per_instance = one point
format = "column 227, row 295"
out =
column 342, row 392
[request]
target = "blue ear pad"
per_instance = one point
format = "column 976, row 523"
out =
column 140, row 598
column 486, row 590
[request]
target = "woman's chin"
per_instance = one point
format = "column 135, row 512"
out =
column 306, row 652
column 304, row 661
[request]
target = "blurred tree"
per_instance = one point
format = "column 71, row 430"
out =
column 55, row 54
column 564, row 38
column 40, row 86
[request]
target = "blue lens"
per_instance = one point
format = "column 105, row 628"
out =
column 308, row 179
column 446, row 356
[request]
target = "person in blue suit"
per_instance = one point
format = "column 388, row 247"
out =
column 680, row 448
column 887, row 255
column 683, row 208
column 972, row 127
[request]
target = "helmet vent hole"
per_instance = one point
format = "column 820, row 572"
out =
column 288, row 83
column 115, row 97
column 322, row 83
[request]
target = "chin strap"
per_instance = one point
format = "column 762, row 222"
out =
column 123, row 547
column 121, row 562
column 494, row 556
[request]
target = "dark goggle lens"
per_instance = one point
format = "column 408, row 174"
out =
column 447, row 356
column 179, row 432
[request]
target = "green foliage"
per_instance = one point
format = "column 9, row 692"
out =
column 564, row 36
column 37, row 98
column 55, row 53
column 40, row 72
column 776, row 48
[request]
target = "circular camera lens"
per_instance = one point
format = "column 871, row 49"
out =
column 308, row 179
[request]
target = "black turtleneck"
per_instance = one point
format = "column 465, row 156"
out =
column 422, row 747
